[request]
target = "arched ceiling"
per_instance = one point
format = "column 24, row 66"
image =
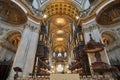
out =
column 110, row 14
column 60, row 29
column 14, row 37
column 60, row 14
column 61, row 8
column 11, row 13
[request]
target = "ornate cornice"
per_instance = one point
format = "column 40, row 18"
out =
column 39, row 20
column 32, row 28
column 84, row 20
column 90, row 28
column 29, row 10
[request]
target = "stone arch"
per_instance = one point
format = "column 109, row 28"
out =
column 13, row 37
column 103, row 6
column 108, row 37
column 109, row 14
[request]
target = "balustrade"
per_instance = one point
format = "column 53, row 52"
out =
column 89, row 77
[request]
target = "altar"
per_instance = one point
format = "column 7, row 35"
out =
column 64, row 77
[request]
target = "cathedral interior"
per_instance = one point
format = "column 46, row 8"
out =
column 59, row 39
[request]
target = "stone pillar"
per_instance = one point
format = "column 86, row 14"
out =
column 31, row 50
column 25, row 54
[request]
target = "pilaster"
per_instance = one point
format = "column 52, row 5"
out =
column 26, row 51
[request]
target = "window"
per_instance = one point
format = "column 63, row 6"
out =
column 59, row 68
column 35, row 4
column 87, row 4
column 79, row 1
column 42, row 1
column 59, row 55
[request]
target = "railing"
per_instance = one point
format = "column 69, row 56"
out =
column 33, row 79
column 95, row 77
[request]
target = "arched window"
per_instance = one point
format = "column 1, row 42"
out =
column 59, row 55
column 59, row 68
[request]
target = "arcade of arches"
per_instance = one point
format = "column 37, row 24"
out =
column 59, row 39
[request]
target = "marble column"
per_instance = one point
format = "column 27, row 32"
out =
column 32, row 52
column 25, row 54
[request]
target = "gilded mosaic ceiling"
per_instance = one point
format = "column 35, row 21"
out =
column 11, row 13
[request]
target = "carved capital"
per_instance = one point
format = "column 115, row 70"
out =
column 91, row 28
column 32, row 28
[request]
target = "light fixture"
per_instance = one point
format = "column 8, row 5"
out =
column 52, row 66
column 77, row 17
column 67, row 66
column 60, row 21
column 59, row 39
column 60, row 32
column 44, row 16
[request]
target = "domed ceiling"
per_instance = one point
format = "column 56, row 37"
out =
column 110, row 14
column 11, row 13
